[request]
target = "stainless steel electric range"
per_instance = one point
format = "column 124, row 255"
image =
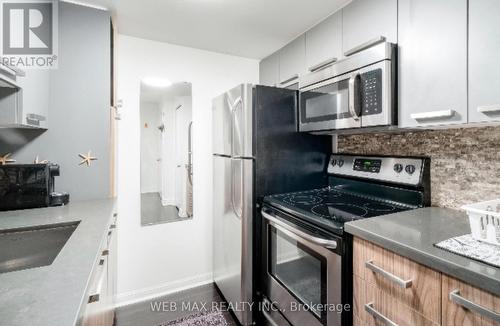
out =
column 307, row 257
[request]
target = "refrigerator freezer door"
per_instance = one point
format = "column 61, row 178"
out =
column 222, row 126
column 239, row 101
column 233, row 214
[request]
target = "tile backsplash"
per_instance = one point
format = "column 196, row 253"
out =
column 465, row 163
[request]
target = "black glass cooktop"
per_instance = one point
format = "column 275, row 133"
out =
column 330, row 207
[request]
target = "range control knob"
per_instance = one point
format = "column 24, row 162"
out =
column 340, row 163
column 398, row 167
column 334, row 162
column 410, row 169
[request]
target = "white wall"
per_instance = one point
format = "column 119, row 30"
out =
column 171, row 256
column 150, row 119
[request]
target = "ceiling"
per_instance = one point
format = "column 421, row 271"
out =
column 158, row 94
column 246, row 28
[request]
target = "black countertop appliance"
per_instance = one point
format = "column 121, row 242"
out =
column 29, row 186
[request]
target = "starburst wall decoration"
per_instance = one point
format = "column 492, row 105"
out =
column 87, row 159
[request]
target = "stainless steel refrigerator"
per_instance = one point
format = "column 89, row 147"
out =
column 256, row 151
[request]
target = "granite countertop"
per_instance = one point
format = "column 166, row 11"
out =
column 413, row 234
column 52, row 295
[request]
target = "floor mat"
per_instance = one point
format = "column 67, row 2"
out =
column 212, row 318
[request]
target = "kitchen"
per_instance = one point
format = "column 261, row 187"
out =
column 326, row 168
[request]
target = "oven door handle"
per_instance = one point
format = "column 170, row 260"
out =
column 293, row 232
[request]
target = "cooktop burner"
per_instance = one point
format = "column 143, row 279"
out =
column 331, row 207
column 332, row 210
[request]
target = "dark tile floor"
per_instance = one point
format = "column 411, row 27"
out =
column 172, row 307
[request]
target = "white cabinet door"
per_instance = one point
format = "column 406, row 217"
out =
column 35, row 97
column 366, row 20
column 269, row 70
column 324, row 42
column 484, row 67
column 432, row 62
column 292, row 61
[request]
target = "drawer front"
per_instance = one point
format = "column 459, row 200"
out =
column 373, row 306
column 407, row 283
column 461, row 313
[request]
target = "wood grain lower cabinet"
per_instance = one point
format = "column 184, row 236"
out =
column 408, row 286
column 392, row 290
column 457, row 314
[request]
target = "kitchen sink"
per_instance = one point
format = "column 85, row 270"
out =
column 30, row 247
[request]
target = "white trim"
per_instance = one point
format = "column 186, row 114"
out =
column 81, row 3
column 127, row 298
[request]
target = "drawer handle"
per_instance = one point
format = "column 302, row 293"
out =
column 371, row 310
column 489, row 109
column 289, row 79
column 391, row 277
column 322, row 65
column 364, row 46
column 456, row 298
column 433, row 115
column 95, row 297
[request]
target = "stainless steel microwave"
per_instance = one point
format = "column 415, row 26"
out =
column 356, row 92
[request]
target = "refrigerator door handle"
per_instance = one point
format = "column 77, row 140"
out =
column 238, row 210
column 235, row 126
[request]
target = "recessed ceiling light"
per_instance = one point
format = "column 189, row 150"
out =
column 157, row 82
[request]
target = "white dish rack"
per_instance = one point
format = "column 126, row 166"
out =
column 484, row 219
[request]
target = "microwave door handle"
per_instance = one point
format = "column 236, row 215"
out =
column 353, row 96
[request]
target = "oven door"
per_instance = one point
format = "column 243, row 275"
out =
column 331, row 104
column 303, row 273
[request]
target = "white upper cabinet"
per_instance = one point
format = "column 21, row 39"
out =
column 484, row 67
column 292, row 61
column 432, row 62
column 368, row 20
column 35, row 97
column 324, row 42
column 269, row 70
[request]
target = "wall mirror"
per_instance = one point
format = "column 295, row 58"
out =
column 166, row 152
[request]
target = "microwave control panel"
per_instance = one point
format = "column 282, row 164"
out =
column 371, row 92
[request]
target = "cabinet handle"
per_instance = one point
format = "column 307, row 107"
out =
column 289, row 79
column 456, row 298
column 433, row 115
column 96, row 296
column 13, row 71
column 489, row 109
column 371, row 310
column 364, row 46
column 322, row 65
column 391, row 277
column 34, row 119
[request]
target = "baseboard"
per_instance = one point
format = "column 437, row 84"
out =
column 127, row 298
